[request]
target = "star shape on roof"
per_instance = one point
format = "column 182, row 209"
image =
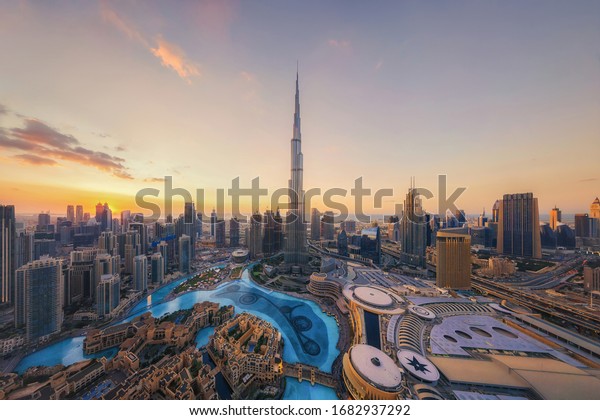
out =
column 417, row 366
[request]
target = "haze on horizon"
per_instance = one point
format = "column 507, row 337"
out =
column 101, row 99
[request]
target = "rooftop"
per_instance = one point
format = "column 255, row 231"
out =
column 375, row 366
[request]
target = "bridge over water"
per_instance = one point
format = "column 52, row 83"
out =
column 310, row 373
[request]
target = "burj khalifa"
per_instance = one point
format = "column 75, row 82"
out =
column 296, row 253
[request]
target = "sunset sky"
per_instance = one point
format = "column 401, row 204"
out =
column 101, row 99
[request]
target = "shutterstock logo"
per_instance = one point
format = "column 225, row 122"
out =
column 333, row 199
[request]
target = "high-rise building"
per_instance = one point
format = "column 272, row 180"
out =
column 106, row 218
column 185, row 251
column 8, row 257
column 132, row 248
column 99, row 212
column 43, row 222
column 140, row 228
column 255, row 236
column 157, row 268
column 519, row 226
column 453, row 269
column 595, row 209
column 268, row 243
column 190, row 227
column 78, row 214
column 81, row 275
column 107, row 243
column 71, row 213
column 234, row 232
column 125, row 219
column 105, row 264
column 482, row 219
column 220, row 234
column 582, row 225
column 327, row 227
column 555, row 217
column 163, row 248
column 24, row 249
column 296, row 253
column 496, row 211
column 370, row 244
column 39, row 298
column 108, row 294
column 315, row 225
column 342, row 243
column 413, row 230
column 278, row 240
column 349, row 226
column 140, row 273
column 213, row 222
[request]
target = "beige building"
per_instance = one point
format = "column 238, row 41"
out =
column 595, row 209
column 370, row 374
column 247, row 349
column 453, row 260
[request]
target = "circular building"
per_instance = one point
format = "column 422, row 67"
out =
column 421, row 312
column 370, row 374
column 319, row 285
column 239, row 256
column 375, row 299
column 418, row 366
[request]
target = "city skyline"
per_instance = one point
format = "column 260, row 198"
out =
column 152, row 83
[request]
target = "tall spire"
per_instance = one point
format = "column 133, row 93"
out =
column 297, row 109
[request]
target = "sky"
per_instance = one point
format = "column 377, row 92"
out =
column 99, row 100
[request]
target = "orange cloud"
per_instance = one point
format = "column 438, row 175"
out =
column 35, row 160
column 170, row 55
column 43, row 144
column 173, row 57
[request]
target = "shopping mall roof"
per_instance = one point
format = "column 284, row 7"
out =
column 375, row 366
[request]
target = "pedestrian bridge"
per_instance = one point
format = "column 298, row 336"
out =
column 310, row 373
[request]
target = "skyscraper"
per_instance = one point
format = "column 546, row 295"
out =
column 268, row 243
column 43, row 222
column 39, row 298
column 157, row 268
column 71, row 213
column 519, row 226
column 453, row 261
column 220, row 234
column 413, row 230
column 595, row 209
column 185, row 251
column 234, row 232
column 79, row 214
column 255, row 236
column 296, row 253
column 315, row 225
column 108, row 294
column 327, row 227
column 7, row 253
column 140, row 273
column 555, row 217
column 213, row 222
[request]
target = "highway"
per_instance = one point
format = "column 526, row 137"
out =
column 581, row 318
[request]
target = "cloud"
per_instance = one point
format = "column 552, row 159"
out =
column 3, row 109
column 154, row 179
column 379, row 65
column 588, row 180
column 339, row 43
column 173, row 57
column 170, row 55
column 109, row 15
column 44, row 145
column 36, row 160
